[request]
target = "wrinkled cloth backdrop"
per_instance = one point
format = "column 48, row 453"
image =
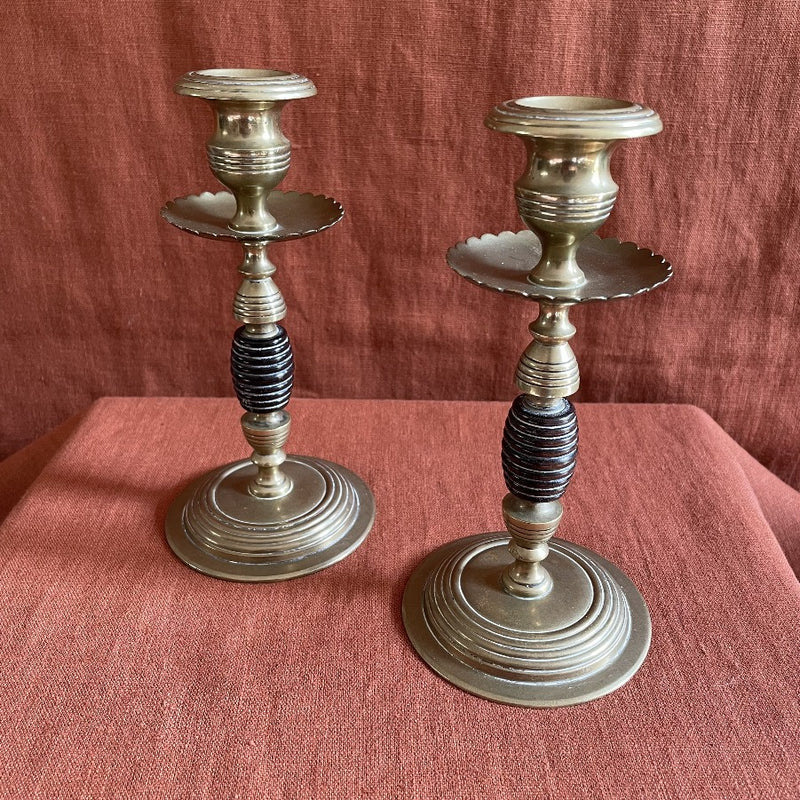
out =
column 101, row 297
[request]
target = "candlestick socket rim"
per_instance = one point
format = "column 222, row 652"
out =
column 245, row 85
column 574, row 117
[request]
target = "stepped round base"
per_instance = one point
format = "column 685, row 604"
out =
column 583, row 640
column 217, row 527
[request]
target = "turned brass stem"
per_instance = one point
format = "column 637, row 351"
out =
column 531, row 526
column 267, row 434
column 548, row 368
column 547, row 372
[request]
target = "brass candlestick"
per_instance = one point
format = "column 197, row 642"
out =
column 530, row 620
column 273, row 516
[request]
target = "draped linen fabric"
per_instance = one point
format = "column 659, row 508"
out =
column 126, row 674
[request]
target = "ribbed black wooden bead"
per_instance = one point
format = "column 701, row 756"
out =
column 540, row 447
column 263, row 370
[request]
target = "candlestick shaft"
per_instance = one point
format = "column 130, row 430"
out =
column 547, row 369
column 540, row 448
column 262, row 367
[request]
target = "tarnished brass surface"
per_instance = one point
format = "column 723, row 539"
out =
column 614, row 270
column 250, row 85
column 275, row 516
column 524, row 618
column 218, row 527
column 296, row 215
column 567, row 191
column 247, row 152
column 585, row 638
column 570, row 119
column 548, row 367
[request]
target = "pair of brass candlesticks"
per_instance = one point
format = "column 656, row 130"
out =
column 484, row 612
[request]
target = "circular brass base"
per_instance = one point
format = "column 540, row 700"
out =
column 217, row 527
column 586, row 638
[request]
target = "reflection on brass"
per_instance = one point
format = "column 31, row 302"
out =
column 525, row 618
column 274, row 516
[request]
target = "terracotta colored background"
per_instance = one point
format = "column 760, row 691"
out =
column 101, row 297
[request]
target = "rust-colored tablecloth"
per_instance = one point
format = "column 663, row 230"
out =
column 125, row 674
